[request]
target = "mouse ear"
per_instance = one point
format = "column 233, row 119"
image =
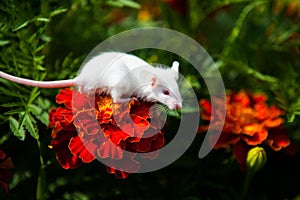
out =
column 175, row 68
column 153, row 81
column 149, row 77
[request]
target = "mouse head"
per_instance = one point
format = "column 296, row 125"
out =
column 164, row 87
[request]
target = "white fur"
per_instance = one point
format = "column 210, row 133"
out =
column 125, row 76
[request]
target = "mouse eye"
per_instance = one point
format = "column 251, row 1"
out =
column 166, row 92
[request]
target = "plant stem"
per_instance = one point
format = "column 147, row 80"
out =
column 41, row 184
column 238, row 26
column 247, row 185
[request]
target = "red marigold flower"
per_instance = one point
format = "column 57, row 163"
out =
column 85, row 129
column 5, row 174
column 249, row 122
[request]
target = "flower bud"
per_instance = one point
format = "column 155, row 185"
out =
column 256, row 159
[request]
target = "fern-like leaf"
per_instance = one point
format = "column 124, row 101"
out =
column 16, row 129
column 30, row 126
column 39, row 114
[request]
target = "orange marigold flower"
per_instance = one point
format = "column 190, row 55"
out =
column 84, row 130
column 249, row 122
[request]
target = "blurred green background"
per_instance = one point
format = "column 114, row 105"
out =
column 255, row 43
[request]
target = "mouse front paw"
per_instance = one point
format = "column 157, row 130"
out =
column 134, row 98
column 124, row 100
column 119, row 100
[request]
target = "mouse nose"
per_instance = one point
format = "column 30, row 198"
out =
column 174, row 105
column 177, row 106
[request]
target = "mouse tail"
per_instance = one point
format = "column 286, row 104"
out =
column 39, row 84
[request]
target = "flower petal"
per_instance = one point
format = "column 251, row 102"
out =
column 124, row 165
column 257, row 138
column 141, row 109
column 82, row 151
column 65, row 97
column 115, row 134
column 278, row 138
column 61, row 115
column 5, row 174
column 205, row 109
column 259, row 97
column 226, row 139
column 86, row 121
column 63, row 154
column 110, row 150
column 270, row 123
column 241, row 97
column 251, row 129
column 82, row 102
column 117, row 173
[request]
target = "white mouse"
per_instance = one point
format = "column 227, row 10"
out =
column 121, row 75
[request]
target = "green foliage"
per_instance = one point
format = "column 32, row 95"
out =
column 16, row 128
column 122, row 3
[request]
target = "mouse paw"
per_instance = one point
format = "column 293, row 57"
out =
column 134, row 99
column 119, row 101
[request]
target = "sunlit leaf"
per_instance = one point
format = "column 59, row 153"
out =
column 21, row 25
column 32, row 129
column 58, row 11
column 14, row 127
column 39, row 114
column 9, row 105
column 4, row 42
column 122, row 3
column 34, row 94
column 42, row 19
column 16, row 111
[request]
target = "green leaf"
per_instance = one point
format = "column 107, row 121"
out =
column 42, row 19
column 174, row 113
column 38, row 58
column 4, row 138
column 16, row 111
column 30, row 127
column 21, row 26
column 35, row 109
column 44, row 103
column 58, row 11
column 34, row 94
column 4, row 42
column 9, row 105
column 39, row 48
column 44, row 38
column 7, row 92
column 39, row 114
column 40, row 67
column 14, row 127
column 44, row 118
column 122, row 3
column 12, row 89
